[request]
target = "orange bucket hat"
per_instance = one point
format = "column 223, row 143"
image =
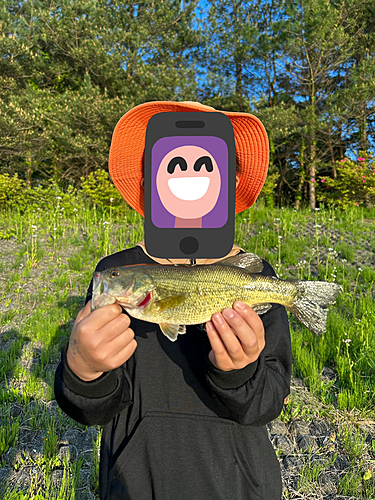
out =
column 126, row 156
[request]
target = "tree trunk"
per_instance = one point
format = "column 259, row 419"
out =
column 334, row 171
column 129, row 63
column 312, row 173
column 302, row 175
column 306, row 184
column 28, row 177
column 238, row 59
column 239, row 84
column 363, row 129
column 279, row 201
column 299, row 190
column 340, row 142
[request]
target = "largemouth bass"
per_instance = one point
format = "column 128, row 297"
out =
column 178, row 295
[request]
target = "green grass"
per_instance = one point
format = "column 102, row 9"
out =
column 61, row 257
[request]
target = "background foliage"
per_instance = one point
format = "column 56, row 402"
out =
column 71, row 68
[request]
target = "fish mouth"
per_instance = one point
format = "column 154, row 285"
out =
column 98, row 291
column 189, row 188
column 102, row 296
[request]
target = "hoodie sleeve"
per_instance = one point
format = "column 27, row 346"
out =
column 95, row 402
column 255, row 394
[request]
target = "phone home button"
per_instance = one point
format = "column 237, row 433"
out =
column 189, row 245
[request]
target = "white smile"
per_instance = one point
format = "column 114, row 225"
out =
column 189, row 188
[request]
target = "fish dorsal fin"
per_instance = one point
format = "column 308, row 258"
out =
column 248, row 261
column 171, row 330
column 261, row 308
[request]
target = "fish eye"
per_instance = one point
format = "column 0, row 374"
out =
column 114, row 274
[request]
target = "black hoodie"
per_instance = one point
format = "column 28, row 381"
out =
column 175, row 426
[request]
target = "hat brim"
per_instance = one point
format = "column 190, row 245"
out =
column 126, row 157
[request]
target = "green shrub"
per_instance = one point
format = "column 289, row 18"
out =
column 354, row 186
column 14, row 193
column 52, row 197
column 267, row 192
column 11, row 189
column 100, row 190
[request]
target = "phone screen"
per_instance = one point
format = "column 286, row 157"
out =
column 189, row 177
column 190, row 185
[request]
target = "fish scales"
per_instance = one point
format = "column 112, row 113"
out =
column 208, row 289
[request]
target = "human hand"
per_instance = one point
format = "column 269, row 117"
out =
column 100, row 341
column 236, row 336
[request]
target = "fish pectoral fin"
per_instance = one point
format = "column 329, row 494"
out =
column 261, row 308
column 168, row 302
column 248, row 261
column 172, row 330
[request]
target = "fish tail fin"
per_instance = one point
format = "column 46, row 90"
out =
column 310, row 305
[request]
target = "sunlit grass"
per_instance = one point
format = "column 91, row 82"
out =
column 60, row 252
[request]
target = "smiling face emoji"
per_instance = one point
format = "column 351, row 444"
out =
column 188, row 182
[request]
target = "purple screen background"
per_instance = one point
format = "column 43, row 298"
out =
column 219, row 150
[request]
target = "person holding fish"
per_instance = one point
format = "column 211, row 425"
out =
column 184, row 416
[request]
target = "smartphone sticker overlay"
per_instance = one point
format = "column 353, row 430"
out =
column 189, row 182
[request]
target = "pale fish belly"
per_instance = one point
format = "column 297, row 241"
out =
column 198, row 302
